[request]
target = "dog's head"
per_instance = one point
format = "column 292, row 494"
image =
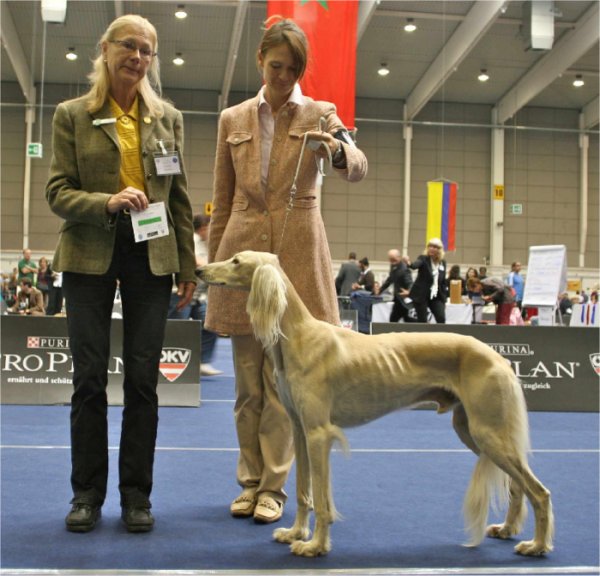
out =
column 260, row 273
column 238, row 271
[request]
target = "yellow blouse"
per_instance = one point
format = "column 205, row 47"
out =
column 131, row 171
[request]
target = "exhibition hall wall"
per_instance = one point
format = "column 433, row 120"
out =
column 541, row 174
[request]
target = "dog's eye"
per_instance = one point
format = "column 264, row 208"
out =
column 235, row 261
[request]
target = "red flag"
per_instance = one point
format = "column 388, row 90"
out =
column 330, row 26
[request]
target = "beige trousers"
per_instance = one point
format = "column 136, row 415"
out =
column 263, row 426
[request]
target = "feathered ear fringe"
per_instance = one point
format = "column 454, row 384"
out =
column 266, row 304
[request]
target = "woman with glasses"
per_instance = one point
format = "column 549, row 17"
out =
column 117, row 150
column 430, row 290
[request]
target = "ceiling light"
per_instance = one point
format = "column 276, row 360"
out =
column 483, row 75
column 578, row 82
column 410, row 25
column 178, row 60
column 71, row 54
column 383, row 69
column 181, row 13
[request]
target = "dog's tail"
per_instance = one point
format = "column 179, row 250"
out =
column 488, row 485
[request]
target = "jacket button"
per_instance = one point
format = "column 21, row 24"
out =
column 263, row 237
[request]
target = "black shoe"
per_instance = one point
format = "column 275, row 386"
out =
column 82, row 517
column 137, row 518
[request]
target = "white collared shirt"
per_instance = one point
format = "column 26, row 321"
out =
column 266, row 121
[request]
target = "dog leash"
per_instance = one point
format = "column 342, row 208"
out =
column 294, row 188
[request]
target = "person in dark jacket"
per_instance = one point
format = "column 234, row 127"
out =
column 401, row 280
column 429, row 292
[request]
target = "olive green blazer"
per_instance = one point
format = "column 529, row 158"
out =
column 84, row 173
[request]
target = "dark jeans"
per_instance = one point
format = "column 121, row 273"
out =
column 89, row 302
column 209, row 339
column 399, row 310
column 437, row 307
column 196, row 311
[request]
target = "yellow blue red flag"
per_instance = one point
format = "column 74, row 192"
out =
column 441, row 212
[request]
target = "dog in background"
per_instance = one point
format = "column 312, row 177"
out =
column 330, row 378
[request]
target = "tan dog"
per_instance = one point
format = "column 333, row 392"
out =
column 329, row 378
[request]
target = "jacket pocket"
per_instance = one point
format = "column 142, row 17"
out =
column 299, row 131
column 239, row 137
column 239, row 203
column 305, row 201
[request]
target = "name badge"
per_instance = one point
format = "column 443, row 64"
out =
column 150, row 223
column 167, row 164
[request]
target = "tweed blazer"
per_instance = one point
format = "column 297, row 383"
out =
column 246, row 217
column 84, row 173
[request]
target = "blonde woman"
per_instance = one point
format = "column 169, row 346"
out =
column 107, row 147
column 430, row 290
column 258, row 149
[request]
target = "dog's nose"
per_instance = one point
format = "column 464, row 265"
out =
column 199, row 272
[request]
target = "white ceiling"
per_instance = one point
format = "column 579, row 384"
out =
column 519, row 76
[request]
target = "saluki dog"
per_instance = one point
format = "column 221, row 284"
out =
column 330, row 377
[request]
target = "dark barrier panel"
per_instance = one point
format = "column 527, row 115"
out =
column 36, row 362
column 559, row 367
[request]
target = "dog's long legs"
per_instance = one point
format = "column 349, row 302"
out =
column 319, row 442
column 300, row 529
column 461, row 427
column 507, row 457
column 515, row 517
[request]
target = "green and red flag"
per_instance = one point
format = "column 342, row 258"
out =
column 330, row 26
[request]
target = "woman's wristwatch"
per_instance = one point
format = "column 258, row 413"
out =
column 338, row 156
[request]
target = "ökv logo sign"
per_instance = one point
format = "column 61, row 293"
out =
column 595, row 360
column 173, row 362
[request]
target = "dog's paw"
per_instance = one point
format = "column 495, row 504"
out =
column 502, row 531
column 532, row 548
column 289, row 535
column 309, row 549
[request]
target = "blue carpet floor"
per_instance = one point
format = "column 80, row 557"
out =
column 400, row 492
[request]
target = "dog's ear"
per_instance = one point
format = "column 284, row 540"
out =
column 267, row 303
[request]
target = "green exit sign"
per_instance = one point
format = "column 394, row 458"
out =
column 516, row 209
column 34, row 150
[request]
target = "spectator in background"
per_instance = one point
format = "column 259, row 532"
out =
column 11, row 287
column 44, row 279
column 201, row 224
column 27, row 267
column 516, row 282
column 348, row 275
column 401, row 281
column 482, row 272
column 29, row 302
column 565, row 306
column 475, row 296
column 454, row 276
column 471, row 273
column 429, row 291
column 366, row 280
column 55, row 296
column 494, row 290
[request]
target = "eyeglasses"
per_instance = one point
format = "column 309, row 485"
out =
column 131, row 46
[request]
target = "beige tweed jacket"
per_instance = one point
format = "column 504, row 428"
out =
column 84, row 172
column 246, row 217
